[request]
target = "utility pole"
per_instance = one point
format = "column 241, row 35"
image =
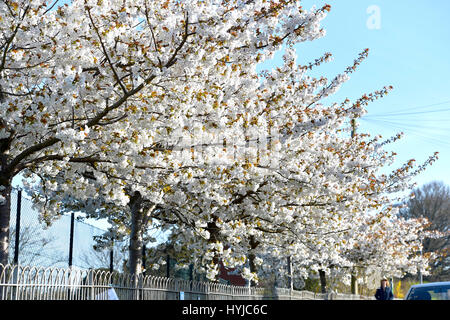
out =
column 420, row 269
column 353, row 122
column 354, row 283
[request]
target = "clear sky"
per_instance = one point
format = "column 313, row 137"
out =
column 409, row 49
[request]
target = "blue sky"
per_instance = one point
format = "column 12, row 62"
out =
column 410, row 51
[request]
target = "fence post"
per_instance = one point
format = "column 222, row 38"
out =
column 143, row 260
column 72, row 223
column 16, row 281
column 290, row 280
column 141, row 287
column 111, row 257
column 168, row 266
column 111, row 260
column 2, row 280
column 191, row 279
column 18, row 213
column 91, row 285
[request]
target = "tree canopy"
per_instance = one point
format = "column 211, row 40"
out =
column 154, row 112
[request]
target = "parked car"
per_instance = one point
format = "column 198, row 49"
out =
column 429, row 291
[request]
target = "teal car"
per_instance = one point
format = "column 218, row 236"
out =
column 429, row 291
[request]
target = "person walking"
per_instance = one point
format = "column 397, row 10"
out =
column 384, row 292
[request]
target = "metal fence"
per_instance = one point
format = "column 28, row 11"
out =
column 32, row 242
column 39, row 283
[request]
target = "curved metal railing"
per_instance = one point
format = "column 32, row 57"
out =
column 50, row 283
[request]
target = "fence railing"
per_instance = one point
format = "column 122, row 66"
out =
column 38, row 283
column 66, row 242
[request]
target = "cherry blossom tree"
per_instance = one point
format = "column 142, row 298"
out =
column 97, row 88
column 153, row 112
column 391, row 246
column 302, row 203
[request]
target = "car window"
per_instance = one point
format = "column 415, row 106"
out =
column 438, row 292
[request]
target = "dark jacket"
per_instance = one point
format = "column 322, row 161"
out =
column 385, row 294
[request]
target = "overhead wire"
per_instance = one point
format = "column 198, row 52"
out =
column 415, row 121
column 410, row 125
column 441, row 140
column 410, row 113
column 408, row 110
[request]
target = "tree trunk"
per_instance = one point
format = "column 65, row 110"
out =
column 5, row 213
column 251, row 257
column 290, row 274
column 323, row 281
column 136, row 237
column 212, row 228
column 354, row 284
column 252, row 265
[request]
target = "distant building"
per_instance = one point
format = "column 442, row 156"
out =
column 230, row 276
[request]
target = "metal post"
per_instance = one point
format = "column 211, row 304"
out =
column 19, row 210
column 143, row 259
column 420, row 269
column 354, row 283
column 72, row 223
column 90, row 279
column 168, row 266
column 141, row 276
column 191, row 272
column 290, row 280
column 289, row 270
column 353, row 122
column 191, row 279
column 392, row 285
column 111, row 259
